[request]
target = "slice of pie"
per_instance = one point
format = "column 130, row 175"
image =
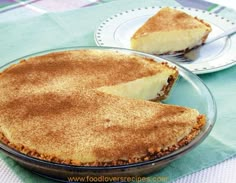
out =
column 170, row 31
column 72, row 107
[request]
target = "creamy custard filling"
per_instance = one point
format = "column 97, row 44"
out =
column 147, row 88
column 172, row 41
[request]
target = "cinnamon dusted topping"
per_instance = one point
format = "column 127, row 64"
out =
column 152, row 153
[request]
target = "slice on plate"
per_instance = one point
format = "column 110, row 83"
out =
column 170, row 31
column 78, row 107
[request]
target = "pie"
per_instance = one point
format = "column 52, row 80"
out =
column 170, row 31
column 78, row 107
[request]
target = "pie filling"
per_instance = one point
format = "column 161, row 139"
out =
column 162, row 43
column 166, row 89
column 153, row 88
column 151, row 153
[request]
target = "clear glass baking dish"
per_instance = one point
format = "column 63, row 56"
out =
column 188, row 91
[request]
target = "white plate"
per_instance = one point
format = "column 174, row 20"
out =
column 117, row 30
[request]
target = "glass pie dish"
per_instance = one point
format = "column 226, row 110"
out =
column 188, row 91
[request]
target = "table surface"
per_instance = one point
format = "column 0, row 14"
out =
column 221, row 173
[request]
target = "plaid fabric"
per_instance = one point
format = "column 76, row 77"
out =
column 11, row 10
column 47, row 5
